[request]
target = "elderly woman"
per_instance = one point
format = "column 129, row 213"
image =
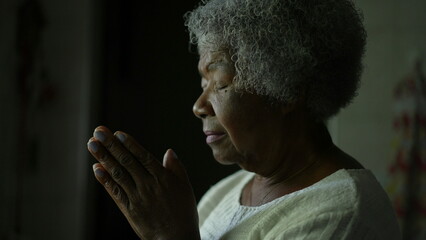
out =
column 272, row 72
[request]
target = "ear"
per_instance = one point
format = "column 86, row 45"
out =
column 297, row 104
column 289, row 107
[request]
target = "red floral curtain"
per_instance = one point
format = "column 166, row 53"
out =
column 407, row 188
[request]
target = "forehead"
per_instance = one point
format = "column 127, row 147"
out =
column 208, row 55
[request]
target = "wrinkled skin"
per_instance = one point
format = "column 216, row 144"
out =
column 156, row 199
column 281, row 143
column 273, row 141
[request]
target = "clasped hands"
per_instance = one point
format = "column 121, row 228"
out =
column 157, row 199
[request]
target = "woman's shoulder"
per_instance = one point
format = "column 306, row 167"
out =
column 350, row 199
column 344, row 205
column 340, row 191
column 373, row 206
column 344, row 190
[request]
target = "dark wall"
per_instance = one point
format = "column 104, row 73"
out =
column 150, row 82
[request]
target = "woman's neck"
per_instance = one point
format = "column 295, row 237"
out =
column 309, row 157
column 303, row 143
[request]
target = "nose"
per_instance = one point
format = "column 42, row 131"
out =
column 202, row 107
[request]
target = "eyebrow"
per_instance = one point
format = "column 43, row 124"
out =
column 214, row 65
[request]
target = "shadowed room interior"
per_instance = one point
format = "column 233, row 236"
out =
column 69, row 66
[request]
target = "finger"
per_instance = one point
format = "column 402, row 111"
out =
column 148, row 160
column 172, row 163
column 114, row 190
column 119, row 152
column 115, row 170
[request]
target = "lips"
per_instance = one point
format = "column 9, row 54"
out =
column 213, row 136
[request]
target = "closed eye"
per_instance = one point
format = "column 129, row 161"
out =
column 220, row 87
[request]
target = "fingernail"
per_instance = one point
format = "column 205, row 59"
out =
column 93, row 146
column 173, row 153
column 100, row 136
column 99, row 173
column 121, row 136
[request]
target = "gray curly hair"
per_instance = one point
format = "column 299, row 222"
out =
column 285, row 49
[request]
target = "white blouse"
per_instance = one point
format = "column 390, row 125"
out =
column 348, row 204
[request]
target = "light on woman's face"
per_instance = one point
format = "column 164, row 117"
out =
column 238, row 125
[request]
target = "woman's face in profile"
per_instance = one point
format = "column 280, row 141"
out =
column 240, row 127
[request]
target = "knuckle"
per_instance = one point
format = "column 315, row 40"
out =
column 147, row 159
column 140, row 156
column 125, row 159
column 132, row 147
column 136, row 208
column 134, row 198
column 116, row 192
column 109, row 144
column 108, row 184
column 120, row 196
column 117, row 173
column 103, row 157
column 141, row 153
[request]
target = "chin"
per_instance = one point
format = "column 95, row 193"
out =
column 223, row 160
column 226, row 158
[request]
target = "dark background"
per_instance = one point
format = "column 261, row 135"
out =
column 150, row 83
column 68, row 66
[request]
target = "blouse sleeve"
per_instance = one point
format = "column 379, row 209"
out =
column 327, row 226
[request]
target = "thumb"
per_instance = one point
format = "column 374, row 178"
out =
column 172, row 163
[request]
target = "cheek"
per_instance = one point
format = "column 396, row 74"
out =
column 229, row 110
column 235, row 112
column 244, row 112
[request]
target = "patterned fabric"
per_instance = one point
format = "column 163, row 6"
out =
column 407, row 188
